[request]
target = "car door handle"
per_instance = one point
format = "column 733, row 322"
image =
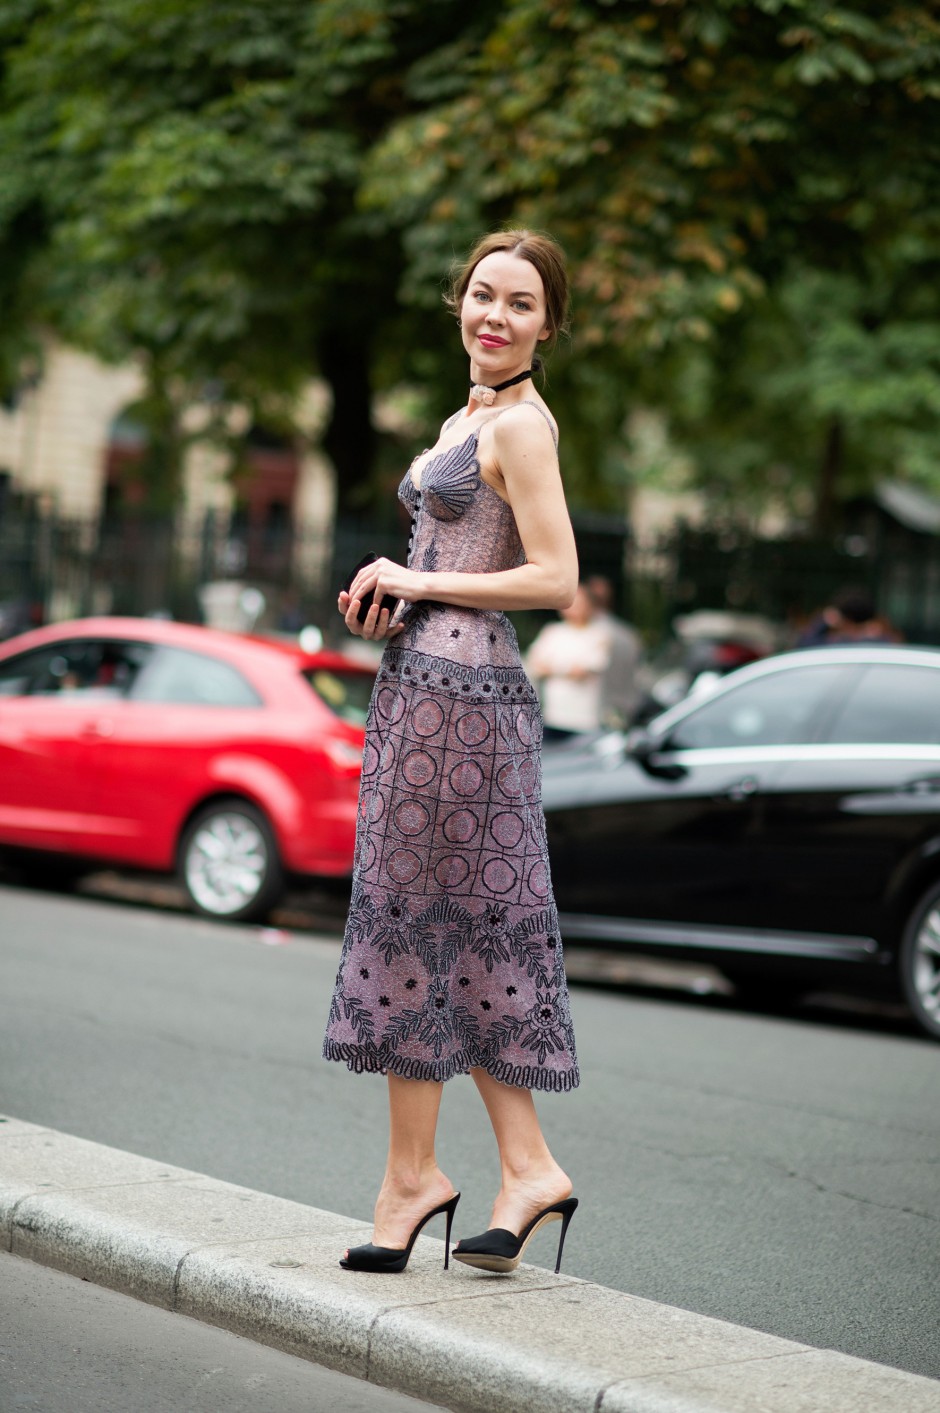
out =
column 925, row 785
column 742, row 789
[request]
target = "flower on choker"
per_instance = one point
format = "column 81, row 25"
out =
column 483, row 394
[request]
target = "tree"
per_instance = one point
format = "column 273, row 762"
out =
column 750, row 193
column 253, row 193
column 183, row 189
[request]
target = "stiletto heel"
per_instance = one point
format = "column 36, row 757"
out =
column 565, row 1223
column 501, row 1250
column 389, row 1259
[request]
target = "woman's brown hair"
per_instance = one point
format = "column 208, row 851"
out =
column 541, row 251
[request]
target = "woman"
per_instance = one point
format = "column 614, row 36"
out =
column 452, row 961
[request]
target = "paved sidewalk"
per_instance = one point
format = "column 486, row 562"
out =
column 267, row 1268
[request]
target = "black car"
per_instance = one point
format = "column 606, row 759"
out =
column 786, row 826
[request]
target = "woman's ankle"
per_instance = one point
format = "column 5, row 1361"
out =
column 522, row 1169
column 404, row 1182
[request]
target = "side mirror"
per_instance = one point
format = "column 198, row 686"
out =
column 645, row 750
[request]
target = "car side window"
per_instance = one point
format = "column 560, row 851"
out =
column 780, row 709
column 76, row 669
column 194, row 679
column 890, row 705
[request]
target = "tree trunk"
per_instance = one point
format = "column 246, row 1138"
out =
column 830, row 471
column 161, row 466
column 349, row 439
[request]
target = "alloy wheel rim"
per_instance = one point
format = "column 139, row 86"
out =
column 926, row 968
column 226, row 863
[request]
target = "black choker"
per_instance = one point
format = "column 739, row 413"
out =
column 481, row 393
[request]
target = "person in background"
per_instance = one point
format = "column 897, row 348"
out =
column 568, row 661
column 620, row 695
column 850, row 617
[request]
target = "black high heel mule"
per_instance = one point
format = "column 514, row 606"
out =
column 501, row 1250
column 391, row 1258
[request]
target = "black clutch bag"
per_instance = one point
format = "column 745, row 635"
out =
column 388, row 600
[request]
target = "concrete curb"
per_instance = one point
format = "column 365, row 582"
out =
column 531, row 1343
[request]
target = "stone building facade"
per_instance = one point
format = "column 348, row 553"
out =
column 68, row 449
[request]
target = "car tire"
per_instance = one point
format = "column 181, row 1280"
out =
column 48, row 872
column 761, row 992
column 919, row 962
column 229, row 863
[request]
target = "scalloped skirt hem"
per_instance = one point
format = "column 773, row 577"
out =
column 536, row 1077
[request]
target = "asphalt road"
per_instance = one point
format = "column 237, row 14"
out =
column 70, row 1347
column 779, row 1172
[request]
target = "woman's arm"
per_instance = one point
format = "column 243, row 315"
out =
column 525, row 455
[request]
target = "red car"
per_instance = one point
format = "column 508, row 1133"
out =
column 163, row 746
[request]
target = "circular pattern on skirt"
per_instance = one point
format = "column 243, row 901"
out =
column 473, row 728
column 460, row 827
column 514, row 780
column 507, row 829
column 538, row 879
column 524, row 728
column 412, row 817
column 403, row 865
column 390, row 705
column 419, row 768
column 451, row 871
column 371, row 806
column 466, row 778
column 427, row 718
column 507, row 779
column 499, row 875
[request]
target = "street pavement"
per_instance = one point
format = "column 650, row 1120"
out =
column 68, row 1346
column 775, row 1172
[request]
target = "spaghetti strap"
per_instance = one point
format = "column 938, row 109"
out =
column 528, row 402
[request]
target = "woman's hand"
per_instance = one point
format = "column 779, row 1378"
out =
column 381, row 577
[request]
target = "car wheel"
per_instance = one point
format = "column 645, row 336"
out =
column 229, row 863
column 919, row 962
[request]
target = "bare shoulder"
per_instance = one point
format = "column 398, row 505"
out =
column 518, row 454
column 527, row 418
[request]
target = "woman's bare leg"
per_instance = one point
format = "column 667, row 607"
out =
column 413, row 1182
column 531, row 1179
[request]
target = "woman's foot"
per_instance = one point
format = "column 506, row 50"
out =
column 521, row 1196
column 403, row 1201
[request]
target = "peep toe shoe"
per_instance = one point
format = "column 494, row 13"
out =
column 390, row 1258
column 500, row 1250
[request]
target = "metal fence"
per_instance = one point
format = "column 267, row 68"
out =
column 789, row 579
column 52, row 568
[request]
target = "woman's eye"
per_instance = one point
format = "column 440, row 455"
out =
column 481, row 294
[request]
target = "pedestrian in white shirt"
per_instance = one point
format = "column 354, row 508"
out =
column 567, row 661
column 620, row 691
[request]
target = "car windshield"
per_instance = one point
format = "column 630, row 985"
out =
column 345, row 693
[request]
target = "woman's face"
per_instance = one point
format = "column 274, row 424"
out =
column 502, row 316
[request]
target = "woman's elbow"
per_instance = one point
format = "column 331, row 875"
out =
column 565, row 589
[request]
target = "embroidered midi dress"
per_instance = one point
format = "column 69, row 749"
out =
column 452, row 956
